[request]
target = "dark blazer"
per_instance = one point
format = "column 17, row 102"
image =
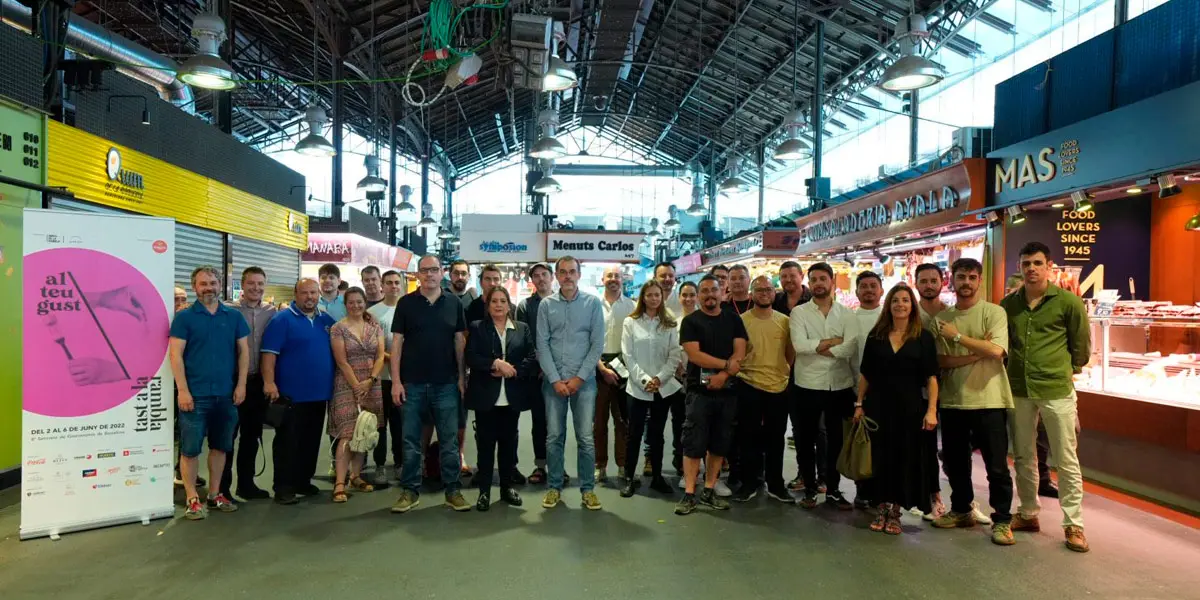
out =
column 483, row 348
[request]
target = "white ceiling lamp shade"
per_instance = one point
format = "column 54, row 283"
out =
column 405, row 205
column 911, row 71
column 794, row 148
column 427, row 216
column 697, row 208
column 734, row 184
column 548, row 148
column 653, row 233
column 372, row 182
column 446, row 231
column 547, row 184
column 315, row 144
column 672, row 221
column 559, row 76
column 206, row 69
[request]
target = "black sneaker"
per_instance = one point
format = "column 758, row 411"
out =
column 809, row 501
column 631, row 486
column 712, row 500
column 837, row 500
column 285, row 498
column 517, row 477
column 686, row 505
column 253, row 492
column 780, row 494
column 661, row 486
column 745, row 494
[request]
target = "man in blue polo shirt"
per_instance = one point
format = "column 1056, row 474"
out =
column 297, row 365
column 210, row 359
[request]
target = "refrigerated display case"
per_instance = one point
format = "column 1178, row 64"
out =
column 1151, row 358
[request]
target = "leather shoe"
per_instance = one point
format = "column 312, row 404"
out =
column 661, row 486
column 309, row 490
column 253, row 493
column 510, row 497
column 1048, row 490
column 285, row 498
column 483, row 503
column 631, row 486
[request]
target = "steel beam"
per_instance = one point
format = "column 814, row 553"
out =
column 649, row 59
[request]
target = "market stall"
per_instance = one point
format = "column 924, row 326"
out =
column 596, row 251
column 351, row 253
column 1119, row 211
column 511, row 242
column 761, row 252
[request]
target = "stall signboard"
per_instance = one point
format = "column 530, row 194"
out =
column 97, row 170
column 688, row 264
column 743, row 246
column 932, row 202
column 352, row 249
column 1104, row 149
column 780, row 243
column 22, row 154
column 1107, row 247
column 594, row 246
column 502, row 246
column 329, row 248
column 96, row 389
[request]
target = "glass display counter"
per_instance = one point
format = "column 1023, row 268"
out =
column 1151, row 357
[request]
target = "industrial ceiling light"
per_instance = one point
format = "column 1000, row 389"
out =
column 911, row 71
column 1167, row 186
column 315, row 144
column 734, row 184
column 559, row 76
column 653, row 233
column 672, row 222
column 1016, row 216
column 207, row 69
column 445, row 234
column 372, row 182
column 697, row 208
column 1193, row 224
column 406, row 192
column 547, row 184
column 794, row 148
column 1081, row 200
column 427, row 216
column 548, row 148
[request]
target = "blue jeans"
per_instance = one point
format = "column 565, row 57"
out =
column 583, row 414
column 214, row 417
column 440, row 400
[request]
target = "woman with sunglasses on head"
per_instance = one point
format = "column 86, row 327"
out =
column 358, row 351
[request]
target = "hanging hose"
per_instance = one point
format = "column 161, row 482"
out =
column 437, row 52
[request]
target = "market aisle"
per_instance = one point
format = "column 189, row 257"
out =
column 633, row 548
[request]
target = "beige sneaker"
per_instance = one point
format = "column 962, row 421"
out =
column 1002, row 534
column 551, row 499
column 952, row 519
column 1075, row 539
column 406, row 502
column 591, row 501
column 1030, row 524
column 456, row 502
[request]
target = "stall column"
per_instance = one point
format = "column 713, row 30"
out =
column 914, row 123
column 225, row 99
column 339, row 116
column 818, row 117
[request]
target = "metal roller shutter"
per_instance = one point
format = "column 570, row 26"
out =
column 195, row 247
column 57, row 203
column 281, row 264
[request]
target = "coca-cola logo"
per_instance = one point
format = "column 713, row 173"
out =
column 159, row 246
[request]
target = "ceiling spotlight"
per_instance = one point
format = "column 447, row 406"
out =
column 1167, row 186
column 1016, row 216
column 794, row 148
column 406, row 192
column 734, row 184
column 696, row 209
column 207, row 69
column 145, row 116
column 372, row 182
column 427, row 216
column 314, row 144
column 1081, row 200
column 881, row 257
column 548, row 148
column 547, row 185
column 672, row 222
column 1193, row 224
column 559, row 76
column 911, row 71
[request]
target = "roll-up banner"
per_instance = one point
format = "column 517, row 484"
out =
column 97, row 391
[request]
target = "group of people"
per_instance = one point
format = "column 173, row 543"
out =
column 730, row 360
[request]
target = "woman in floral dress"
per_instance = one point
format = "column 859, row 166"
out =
column 358, row 350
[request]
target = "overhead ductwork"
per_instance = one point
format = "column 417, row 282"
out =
column 91, row 39
column 615, row 42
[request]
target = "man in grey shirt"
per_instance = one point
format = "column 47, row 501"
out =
column 253, row 411
column 570, row 339
column 460, row 279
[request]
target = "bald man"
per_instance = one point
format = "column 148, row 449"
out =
column 610, row 397
column 297, row 365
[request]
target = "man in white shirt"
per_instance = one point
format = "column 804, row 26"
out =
column 383, row 311
column 869, row 288
column 664, row 274
column 825, row 336
column 610, row 394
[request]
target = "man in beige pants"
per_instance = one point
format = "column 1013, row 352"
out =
column 1049, row 341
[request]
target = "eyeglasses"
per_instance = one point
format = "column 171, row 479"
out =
column 429, row 270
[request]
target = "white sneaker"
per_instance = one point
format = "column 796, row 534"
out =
column 722, row 490
column 683, row 483
column 381, row 475
column 980, row 517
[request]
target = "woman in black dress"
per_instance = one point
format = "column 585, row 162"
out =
column 899, row 361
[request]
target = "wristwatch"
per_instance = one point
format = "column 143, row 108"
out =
column 957, row 338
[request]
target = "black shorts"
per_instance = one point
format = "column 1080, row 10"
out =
column 708, row 423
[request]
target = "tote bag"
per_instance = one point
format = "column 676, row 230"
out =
column 855, row 459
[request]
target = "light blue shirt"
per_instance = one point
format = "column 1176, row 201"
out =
column 570, row 336
column 335, row 308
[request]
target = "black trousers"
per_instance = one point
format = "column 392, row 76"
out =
column 637, row 412
column 762, row 422
column 394, row 421
column 987, row 430
column 817, row 407
column 794, row 415
column 297, row 446
column 494, row 428
column 247, row 434
column 537, row 411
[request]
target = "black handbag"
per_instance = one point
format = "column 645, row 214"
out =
column 277, row 412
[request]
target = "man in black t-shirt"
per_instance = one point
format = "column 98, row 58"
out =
column 715, row 342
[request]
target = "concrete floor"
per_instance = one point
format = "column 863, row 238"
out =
column 634, row 548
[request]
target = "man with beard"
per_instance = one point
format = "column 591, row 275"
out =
column 372, row 285
column 1051, row 342
column 210, row 360
column 929, row 286
column 738, row 297
column 527, row 313
column 869, row 288
column 715, row 343
column 610, row 392
column 975, row 400
column 489, row 277
column 794, row 292
column 180, row 299
column 297, row 364
column 331, row 301
column 460, row 276
column 253, row 411
column 721, row 273
column 825, row 336
column 664, row 274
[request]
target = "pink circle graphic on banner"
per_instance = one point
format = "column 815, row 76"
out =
column 95, row 332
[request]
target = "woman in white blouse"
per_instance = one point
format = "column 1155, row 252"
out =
column 651, row 352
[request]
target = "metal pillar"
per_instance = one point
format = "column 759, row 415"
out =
column 818, row 113
column 224, row 100
column 712, row 195
column 339, row 117
column 1121, row 13
column 914, row 124
column 762, row 184
column 424, row 182
column 391, row 197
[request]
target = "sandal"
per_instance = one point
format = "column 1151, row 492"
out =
column 538, row 476
column 360, row 485
column 893, row 522
column 881, row 515
column 340, row 496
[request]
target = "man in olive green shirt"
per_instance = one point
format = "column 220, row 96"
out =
column 1049, row 341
